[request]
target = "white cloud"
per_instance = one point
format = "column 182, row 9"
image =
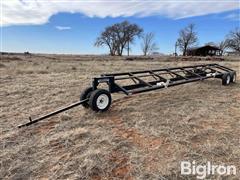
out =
column 18, row 12
column 61, row 28
column 233, row 16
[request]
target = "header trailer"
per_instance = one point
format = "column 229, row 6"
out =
column 98, row 96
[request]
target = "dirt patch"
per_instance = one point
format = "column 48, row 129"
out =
column 134, row 136
column 123, row 168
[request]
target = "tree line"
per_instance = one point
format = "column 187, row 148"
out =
column 120, row 36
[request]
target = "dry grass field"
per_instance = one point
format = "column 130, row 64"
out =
column 143, row 136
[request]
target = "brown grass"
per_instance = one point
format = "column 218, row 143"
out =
column 144, row 136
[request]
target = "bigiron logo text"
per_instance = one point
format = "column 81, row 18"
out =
column 203, row 170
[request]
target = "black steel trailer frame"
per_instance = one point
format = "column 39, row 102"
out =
column 191, row 74
column 156, row 79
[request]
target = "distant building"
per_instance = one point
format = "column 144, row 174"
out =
column 205, row 51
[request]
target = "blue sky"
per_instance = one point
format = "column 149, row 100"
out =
column 75, row 30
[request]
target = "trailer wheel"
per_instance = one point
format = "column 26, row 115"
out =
column 226, row 79
column 233, row 76
column 100, row 100
column 86, row 94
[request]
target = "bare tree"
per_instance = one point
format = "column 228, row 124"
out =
column 233, row 40
column 108, row 38
column 187, row 38
column 119, row 37
column 148, row 44
column 223, row 45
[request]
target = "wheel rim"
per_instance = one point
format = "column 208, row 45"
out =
column 228, row 79
column 102, row 101
column 234, row 78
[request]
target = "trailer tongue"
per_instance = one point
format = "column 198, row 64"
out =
column 52, row 113
column 142, row 81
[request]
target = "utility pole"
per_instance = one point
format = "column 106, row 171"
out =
column 176, row 44
column 128, row 47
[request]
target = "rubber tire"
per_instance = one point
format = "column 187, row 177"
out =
column 86, row 94
column 233, row 79
column 224, row 79
column 93, row 100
